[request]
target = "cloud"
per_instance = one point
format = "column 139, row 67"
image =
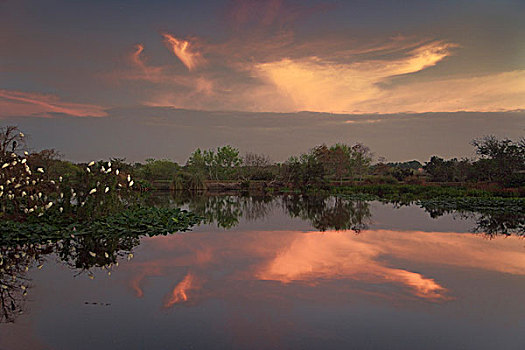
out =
column 486, row 93
column 313, row 259
column 315, row 84
column 331, row 255
column 18, row 103
column 179, row 293
column 144, row 71
column 185, row 51
column 344, row 82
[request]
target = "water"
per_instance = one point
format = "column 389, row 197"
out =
column 285, row 273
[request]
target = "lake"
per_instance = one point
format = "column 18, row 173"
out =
column 282, row 272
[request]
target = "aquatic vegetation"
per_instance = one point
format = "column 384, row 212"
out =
column 410, row 193
column 133, row 222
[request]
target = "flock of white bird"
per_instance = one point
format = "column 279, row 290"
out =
column 18, row 182
column 34, row 193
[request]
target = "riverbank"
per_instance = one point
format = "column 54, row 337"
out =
column 399, row 191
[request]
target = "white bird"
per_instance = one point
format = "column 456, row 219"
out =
column 40, row 170
column 91, row 163
column 93, row 191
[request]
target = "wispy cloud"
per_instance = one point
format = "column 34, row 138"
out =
column 18, row 103
column 185, row 51
column 264, row 67
column 316, row 84
column 485, row 93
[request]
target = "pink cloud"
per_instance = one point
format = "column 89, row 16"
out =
column 18, row 103
column 185, row 51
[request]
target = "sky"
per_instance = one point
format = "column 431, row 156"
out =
column 156, row 79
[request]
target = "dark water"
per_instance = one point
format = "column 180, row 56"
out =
column 284, row 273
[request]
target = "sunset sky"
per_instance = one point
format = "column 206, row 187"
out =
column 140, row 79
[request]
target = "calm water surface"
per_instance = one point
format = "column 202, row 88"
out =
column 286, row 273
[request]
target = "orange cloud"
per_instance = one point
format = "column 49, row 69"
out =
column 313, row 258
column 485, row 93
column 180, row 292
column 18, row 103
column 184, row 51
column 315, row 84
column 137, row 280
column 261, row 73
column 138, row 69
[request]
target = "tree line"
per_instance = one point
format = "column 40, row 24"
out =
column 500, row 161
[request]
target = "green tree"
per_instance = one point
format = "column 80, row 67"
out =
column 305, row 170
column 500, row 160
column 336, row 159
column 361, row 158
column 158, row 169
column 220, row 164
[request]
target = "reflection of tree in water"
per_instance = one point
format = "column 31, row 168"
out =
column 225, row 211
column 14, row 284
column 323, row 212
column 495, row 217
column 327, row 213
column 83, row 246
column 83, row 254
column 500, row 223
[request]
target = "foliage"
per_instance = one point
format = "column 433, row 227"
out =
column 409, row 193
column 220, row 164
column 192, row 181
column 412, row 164
column 453, row 170
column 304, row 171
column 257, row 167
column 157, row 169
column 500, row 159
column 136, row 222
